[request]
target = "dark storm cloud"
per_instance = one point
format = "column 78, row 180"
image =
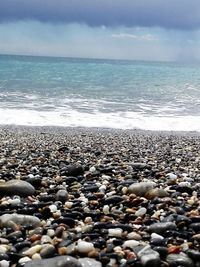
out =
column 174, row 14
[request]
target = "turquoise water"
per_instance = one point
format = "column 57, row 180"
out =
column 99, row 93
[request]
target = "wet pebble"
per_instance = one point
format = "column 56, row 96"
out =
column 180, row 259
column 60, row 261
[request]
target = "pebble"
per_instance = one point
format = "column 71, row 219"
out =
column 117, row 232
column 156, row 236
column 29, row 252
column 59, row 261
column 4, row 263
column 142, row 211
column 16, row 187
column 161, row 227
column 84, row 247
column 24, row 260
column 140, row 189
column 47, row 252
column 62, row 195
column 180, row 259
column 149, row 257
column 10, row 220
column 131, row 244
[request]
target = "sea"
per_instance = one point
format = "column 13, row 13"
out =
column 119, row 94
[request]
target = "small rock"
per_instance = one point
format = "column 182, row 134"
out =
column 4, row 263
column 130, row 244
column 156, row 236
column 62, row 195
column 48, row 251
column 117, row 232
column 180, row 259
column 141, row 188
column 32, row 250
column 149, row 257
column 142, row 211
column 161, row 227
column 171, row 176
column 84, row 247
column 73, row 170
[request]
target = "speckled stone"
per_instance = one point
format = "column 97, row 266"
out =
column 59, row 261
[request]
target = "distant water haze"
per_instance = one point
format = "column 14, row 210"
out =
column 40, row 91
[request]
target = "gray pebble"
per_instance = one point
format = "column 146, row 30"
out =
column 16, row 187
column 59, row 261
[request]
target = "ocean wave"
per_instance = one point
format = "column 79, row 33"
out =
column 116, row 120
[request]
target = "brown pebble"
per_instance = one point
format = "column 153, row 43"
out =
column 196, row 237
column 93, row 254
column 62, row 251
column 35, row 237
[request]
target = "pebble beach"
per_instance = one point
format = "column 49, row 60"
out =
column 83, row 197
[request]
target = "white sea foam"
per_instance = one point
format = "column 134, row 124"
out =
column 117, row 120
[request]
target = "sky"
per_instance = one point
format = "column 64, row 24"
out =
column 116, row 29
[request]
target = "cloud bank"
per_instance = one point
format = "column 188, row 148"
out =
column 170, row 14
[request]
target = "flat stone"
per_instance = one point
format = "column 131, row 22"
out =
column 10, row 220
column 161, row 227
column 141, row 188
column 59, row 261
column 16, row 187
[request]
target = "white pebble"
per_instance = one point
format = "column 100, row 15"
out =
column 117, row 232
column 105, row 177
column 83, row 199
column 14, row 201
column 3, row 249
column 4, row 263
column 84, row 247
column 111, row 193
column 141, row 212
column 178, row 160
column 130, row 244
column 184, row 184
column 30, row 175
column 92, row 169
column 102, row 188
column 53, row 208
column 68, row 204
column 106, row 209
column 171, row 176
column 134, row 236
column 157, row 236
column 24, row 259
